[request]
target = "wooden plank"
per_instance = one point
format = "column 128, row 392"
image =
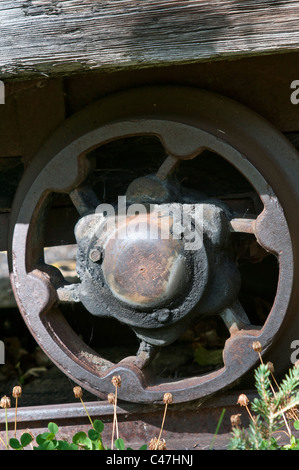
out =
column 40, row 111
column 49, row 36
column 245, row 80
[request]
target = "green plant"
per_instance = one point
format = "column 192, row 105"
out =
column 80, row 441
column 217, row 428
column 48, row 440
column 92, row 440
column 25, row 440
column 273, row 411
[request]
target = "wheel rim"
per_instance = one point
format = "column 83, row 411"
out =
column 186, row 121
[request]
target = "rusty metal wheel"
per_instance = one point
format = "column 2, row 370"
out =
column 157, row 286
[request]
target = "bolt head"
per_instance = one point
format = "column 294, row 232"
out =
column 95, row 255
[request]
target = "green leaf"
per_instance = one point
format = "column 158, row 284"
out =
column 49, row 445
column 46, row 436
column 81, row 439
column 64, row 445
column 296, row 425
column 78, row 437
column 144, row 447
column 98, row 425
column 93, row 434
column 40, row 439
column 26, row 438
column 53, row 428
column 88, row 444
column 73, row 446
column 119, row 444
column 15, row 444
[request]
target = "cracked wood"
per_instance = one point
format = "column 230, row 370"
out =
column 50, row 37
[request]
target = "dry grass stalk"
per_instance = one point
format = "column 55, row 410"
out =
column 5, row 403
column 243, row 401
column 116, row 382
column 16, row 393
column 167, row 400
column 79, row 394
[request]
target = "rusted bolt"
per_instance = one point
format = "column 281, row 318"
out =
column 95, row 255
column 164, row 315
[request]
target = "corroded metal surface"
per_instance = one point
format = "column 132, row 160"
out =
column 186, row 121
column 144, row 274
column 188, row 427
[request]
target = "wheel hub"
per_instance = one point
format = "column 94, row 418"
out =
column 156, row 268
column 144, row 272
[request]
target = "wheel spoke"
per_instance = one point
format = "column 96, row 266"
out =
column 235, row 318
column 84, row 199
column 69, row 293
column 242, row 225
column 168, row 167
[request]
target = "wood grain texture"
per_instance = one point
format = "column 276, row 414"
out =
column 50, row 36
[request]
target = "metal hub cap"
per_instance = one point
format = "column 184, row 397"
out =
column 143, row 271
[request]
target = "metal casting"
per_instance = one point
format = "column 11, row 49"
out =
column 155, row 286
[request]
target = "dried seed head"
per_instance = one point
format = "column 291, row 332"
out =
column 167, row 399
column 111, row 398
column 17, row 391
column 236, row 420
column 152, row 443
column 5, row 402
column 156, row 444
column 78, row 392
column 270, row 367
column 256, row 346
column 243, row 400
column 116, row 381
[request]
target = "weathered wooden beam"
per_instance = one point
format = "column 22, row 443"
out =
column 51, row 37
